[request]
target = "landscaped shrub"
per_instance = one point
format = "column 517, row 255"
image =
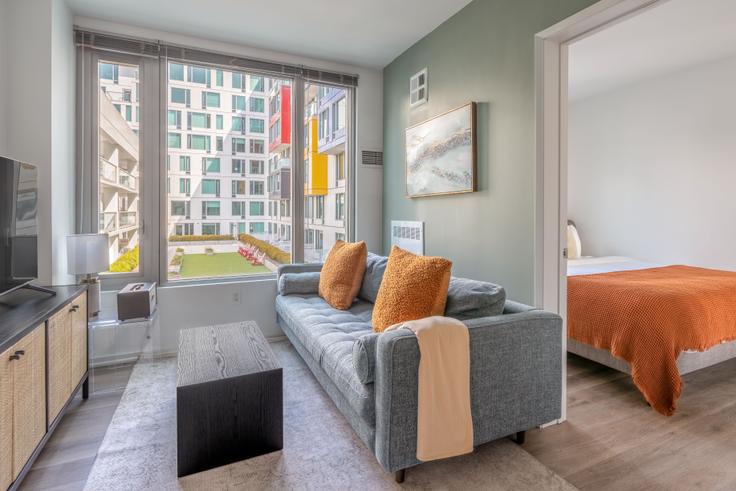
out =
column 126, row 262
column 209, row 251
column 278, row 255
column 198, row 238
column 177, row 260
column 179, row 249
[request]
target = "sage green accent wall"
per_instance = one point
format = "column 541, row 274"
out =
column 485, row 53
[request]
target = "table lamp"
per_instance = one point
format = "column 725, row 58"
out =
column 88, row 254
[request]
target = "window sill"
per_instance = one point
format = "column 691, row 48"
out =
column 265, row 277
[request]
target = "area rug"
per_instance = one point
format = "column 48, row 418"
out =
column 321, row 451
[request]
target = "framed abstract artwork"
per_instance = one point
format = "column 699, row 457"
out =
column 441, row 154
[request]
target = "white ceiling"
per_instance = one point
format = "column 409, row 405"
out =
column 670, row 37
column 359, row 32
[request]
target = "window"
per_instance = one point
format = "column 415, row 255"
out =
column 340, row 166
column 211, row 186
column 237, row 80
column 185, row 163
column 180, row 96
column 256, row 83
column 184, row 229
column 319, row 208
column 238, row 145
column 257, row 208
column 210, row 208
column 198, row 142
column 324, row 123
column 238, row 103
column 175, row 118
column 210, row 99
column 179, row 208
column 338, row 115
column 256, row 166
column 210, row 229
column 198, row 120
column 257, row 146
column 257, row 105
column 257, row 125
column 238, row 208
column 238, row 123
column 174, row 140
column 238, row 187
column 176, row 71
column 255, row 170
column 339, row 236
column 340, row 206
column 199, row 75
column 185, row 185
column 238, row 166
column 109, row 71
column 256, row 188
column 210, row 164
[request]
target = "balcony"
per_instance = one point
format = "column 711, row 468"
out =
column 112, row 175
column 112, row 222
column 333, row 143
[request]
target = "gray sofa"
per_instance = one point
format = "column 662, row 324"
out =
column 515, row 355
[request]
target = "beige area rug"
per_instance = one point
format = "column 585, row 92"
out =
column 321, row 451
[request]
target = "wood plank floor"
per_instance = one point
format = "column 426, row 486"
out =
column 613, row 441
column 67, row 458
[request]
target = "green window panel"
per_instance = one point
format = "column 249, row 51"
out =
column 176, row 71
column 199, row 142
column 174, row 140
column 257, row 125
column 239, row 103
column 211, row 164
column 257, row 105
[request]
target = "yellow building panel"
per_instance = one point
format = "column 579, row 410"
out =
column 316, row 178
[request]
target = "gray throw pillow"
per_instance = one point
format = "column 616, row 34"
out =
column 469, row 299
column 298, row 283
column 374, row 269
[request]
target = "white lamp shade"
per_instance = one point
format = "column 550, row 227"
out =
column 87, row 253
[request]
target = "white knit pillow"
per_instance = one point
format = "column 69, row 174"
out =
column 574, row 247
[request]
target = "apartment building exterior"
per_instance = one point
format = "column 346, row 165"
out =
column 228, row 157
column 119, row 164
column 217, row 152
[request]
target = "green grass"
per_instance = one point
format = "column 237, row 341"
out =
column 221, row 264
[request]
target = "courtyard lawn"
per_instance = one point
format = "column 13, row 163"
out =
column 221, row 264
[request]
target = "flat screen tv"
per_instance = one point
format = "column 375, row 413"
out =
column 18, row 224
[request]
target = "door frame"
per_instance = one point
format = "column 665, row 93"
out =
column 551, row 104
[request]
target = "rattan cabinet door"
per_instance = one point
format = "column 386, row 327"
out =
column 60, row 354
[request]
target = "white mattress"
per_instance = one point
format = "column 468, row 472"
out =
column 606, row 264
column 688, row 361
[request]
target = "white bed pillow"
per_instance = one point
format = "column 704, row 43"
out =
column 574, row 247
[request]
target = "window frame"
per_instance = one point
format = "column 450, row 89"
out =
column 154, row 99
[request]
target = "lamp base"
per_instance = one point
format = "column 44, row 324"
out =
column 93, row 294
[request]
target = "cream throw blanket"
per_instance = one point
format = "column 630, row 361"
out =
column 444, row 420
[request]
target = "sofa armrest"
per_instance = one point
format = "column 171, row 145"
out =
column 298, row 268
column 511, row 307
column 515, row 379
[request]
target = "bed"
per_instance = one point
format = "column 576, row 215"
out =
column 625, row 297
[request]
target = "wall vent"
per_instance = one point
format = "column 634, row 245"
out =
column 418, row 88
column 408, row 235
column 371, row 157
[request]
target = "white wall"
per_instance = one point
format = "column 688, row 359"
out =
column 652, row 168
column 191, row 306
column 4, row 42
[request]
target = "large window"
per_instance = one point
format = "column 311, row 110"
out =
column 212, row 155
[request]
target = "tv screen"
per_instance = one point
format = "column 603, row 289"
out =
column 18, row 224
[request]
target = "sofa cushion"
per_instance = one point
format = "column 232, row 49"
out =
column 469, row 299
column 364, row 357
column 342, row 273
column 374, row 268
column 413, row 287
column 296, row 283
column 328, row 334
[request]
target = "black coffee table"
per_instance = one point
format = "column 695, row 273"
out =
column 229, row 399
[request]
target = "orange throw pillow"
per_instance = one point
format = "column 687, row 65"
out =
column 342, row 273
column 413, row 287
